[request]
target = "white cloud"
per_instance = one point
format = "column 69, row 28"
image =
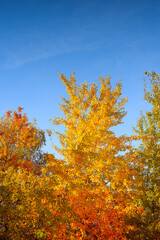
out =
column 24, row 49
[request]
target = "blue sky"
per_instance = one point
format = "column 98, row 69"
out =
column 91, row 37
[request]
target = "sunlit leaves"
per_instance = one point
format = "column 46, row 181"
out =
column 148, row 128
column 102, row 188
column 101, row 177
column 20, row 142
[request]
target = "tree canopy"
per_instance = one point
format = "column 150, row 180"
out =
column 102, row 187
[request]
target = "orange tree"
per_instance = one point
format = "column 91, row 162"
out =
column 100, row 165
column 20, row 142
column 20, row 155
column 32, row 184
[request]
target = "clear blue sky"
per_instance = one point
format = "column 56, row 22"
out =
column 91, row 37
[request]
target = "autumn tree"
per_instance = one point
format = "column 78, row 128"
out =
column 20, row 142
column 99, row 165
column 33, row 202
column 102, row 188
column 148, row 128
column 35, row 207
column 20, row 156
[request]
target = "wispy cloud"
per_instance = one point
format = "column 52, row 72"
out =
column 59, row 29
column 52, row 30
column 29, row 48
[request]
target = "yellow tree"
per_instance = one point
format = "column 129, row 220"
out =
column 148, row 128
column 99, row 167
column 35, row 207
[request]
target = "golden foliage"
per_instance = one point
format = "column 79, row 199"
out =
column 100, row 187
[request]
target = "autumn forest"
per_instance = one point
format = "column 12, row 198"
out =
column 102, row 187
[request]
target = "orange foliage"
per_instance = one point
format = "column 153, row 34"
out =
column 91, row 193
column 19, row 141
